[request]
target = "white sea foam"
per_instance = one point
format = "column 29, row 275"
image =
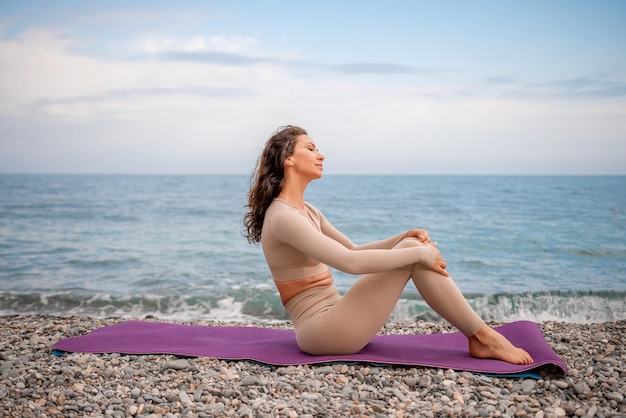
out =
column 265, row 306
column 537, row 307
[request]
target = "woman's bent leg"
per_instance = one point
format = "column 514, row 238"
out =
column 353, row 321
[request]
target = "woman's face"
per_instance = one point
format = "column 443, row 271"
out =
column 306, row 159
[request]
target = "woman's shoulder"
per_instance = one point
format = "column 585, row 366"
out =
column 279, row 208
column 276, row 215
column 275, row 206
column 311, row 207
column 313, row 210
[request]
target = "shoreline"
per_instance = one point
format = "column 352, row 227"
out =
column 37, row 383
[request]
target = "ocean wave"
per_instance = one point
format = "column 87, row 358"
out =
column 565, row 306
column 262, row 304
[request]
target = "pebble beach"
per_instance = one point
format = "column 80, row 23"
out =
column 37, row 383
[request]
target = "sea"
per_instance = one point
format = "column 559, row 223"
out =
column 539, row 248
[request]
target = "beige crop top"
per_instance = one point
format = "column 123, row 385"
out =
column 294, row 248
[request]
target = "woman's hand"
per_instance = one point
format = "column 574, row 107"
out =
column 421, row 235
column 440, row 265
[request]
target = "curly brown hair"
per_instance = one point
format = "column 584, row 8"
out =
column 266, row 181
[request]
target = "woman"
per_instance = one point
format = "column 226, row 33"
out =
column 299, row 243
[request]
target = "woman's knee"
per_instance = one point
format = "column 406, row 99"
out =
column 409, row 242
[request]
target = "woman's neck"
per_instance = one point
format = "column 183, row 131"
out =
column 296, row 201
column 293, row 193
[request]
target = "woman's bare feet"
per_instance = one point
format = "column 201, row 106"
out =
column 488, row 343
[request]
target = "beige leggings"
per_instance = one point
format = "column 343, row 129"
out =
column 327, row 323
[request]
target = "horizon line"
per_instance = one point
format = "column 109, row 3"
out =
column 328, row 174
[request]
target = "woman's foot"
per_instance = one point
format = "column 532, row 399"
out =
column 488, row 343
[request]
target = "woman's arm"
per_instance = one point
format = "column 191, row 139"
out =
column 337, row 251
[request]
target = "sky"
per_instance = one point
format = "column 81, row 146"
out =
column 382, row 87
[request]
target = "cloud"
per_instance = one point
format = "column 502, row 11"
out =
column 207, row 104
column 381, row 68
column 245, row 51
column 497, row 81
column 579, row 88
column 586, row 87
column 235, row 45
column 205, row 56
column 212, row 57
column 41, row 70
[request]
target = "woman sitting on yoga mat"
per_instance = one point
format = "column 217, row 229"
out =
column 299, row 244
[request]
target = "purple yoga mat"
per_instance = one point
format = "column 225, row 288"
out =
column 278, row 347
